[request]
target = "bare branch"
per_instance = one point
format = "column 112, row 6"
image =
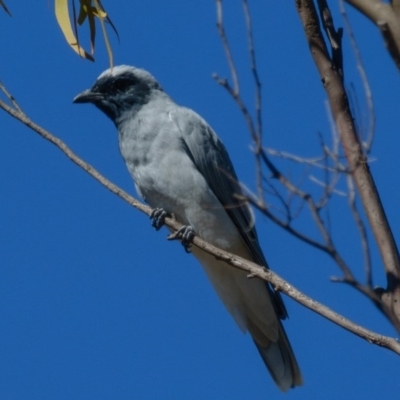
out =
column 227, row 49
column 363, row 75
column 385, row 17
column 258, row 107
column 238, row 100
column 313, row 161
column 356, row 159
column 334, row 36
column 10, row 97
column 362, row 231
column 331, row 178
column 253, row 67
column 286, row 225
column 255, row 131
column 235, row 261
column 330, row 163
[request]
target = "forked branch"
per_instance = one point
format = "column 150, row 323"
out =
column 346, row 158
column 356, row 158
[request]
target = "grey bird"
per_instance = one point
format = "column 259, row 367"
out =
column 180, row 167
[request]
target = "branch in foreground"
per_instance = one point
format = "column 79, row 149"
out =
column 332, row 165
column 356, row 159
column 385, row 17
column 254, row 270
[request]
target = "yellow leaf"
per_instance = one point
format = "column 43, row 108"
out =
column 82, row 12
column 99, row 13
column 63, row 19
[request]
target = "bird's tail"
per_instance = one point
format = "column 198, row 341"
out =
column 280, row 360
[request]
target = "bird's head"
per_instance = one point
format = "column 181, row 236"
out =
column 123, row 88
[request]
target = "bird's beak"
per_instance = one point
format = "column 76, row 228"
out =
column 87, row 96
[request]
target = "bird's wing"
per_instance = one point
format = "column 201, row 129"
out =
column 212, row 160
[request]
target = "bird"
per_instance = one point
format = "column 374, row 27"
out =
column 180, row 167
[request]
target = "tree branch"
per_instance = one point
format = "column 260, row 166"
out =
column 356, row 159
column 385, row 17
column 228, row 53
column 362, row 231
column 235, row 261
column 363, row 75
column 329, row 157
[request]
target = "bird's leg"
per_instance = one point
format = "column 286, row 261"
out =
column 185, row 234
column 157, row 217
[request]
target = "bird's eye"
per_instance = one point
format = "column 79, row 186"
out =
column 122, row 84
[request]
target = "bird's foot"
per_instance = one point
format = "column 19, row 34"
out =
column 185, row 234
column 157, row 217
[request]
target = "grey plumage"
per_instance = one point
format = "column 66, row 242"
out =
column 179, row 164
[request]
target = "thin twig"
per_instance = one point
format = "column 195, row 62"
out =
column 314, row 161
column 286, row 225
column 385, row 17
column 254, row 70
column 364, row 79
column 331, row 179
column 356, row 159
column 335, row 154
column 255, row 130
column 239, row 102
column 327, row 246
column 227, row 49
column 258, row 104
column 285, row 204
column 362, row 231
column 10, row 97
column 329, row 189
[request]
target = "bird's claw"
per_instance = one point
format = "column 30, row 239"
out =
column 185, row 234
column 157, row 217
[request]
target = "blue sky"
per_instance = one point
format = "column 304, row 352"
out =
column 94, row 304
